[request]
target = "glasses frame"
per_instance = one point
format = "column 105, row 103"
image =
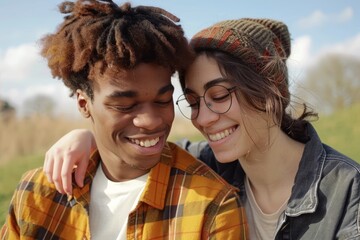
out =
column 182, row 97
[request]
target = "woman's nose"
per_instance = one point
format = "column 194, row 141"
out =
column 205, row 115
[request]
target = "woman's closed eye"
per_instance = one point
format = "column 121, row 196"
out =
column 220, row 97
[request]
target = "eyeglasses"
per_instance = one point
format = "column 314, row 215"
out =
column 217, row 98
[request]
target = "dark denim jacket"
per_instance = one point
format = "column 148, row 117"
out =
column 325, row 199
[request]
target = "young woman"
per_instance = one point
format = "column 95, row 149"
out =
column 236, row 94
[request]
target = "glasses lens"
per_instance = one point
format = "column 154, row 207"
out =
column 218, row 99
column 188, row 106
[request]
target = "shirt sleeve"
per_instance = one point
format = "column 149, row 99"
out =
column 229, row 219
column 10, row 229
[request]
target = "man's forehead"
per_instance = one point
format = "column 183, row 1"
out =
column 133, row 92
column 141, row 71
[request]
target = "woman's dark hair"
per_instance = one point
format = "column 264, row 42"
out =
column 260, row 93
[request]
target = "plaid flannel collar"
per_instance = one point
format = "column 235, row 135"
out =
column 155, row 190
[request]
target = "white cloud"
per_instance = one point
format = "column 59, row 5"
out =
column 304, row 57
column 300, row 56
column 300, row 50
column 22, row 63
column 349, row 47
column 24, row 74
column 316, row 19
column 319, row 18
column 345, row 15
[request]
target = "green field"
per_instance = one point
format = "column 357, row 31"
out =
column 341, row 130
column 10, row 174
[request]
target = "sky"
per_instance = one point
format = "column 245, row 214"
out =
column 317, row 28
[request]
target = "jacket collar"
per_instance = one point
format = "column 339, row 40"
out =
column 304, row 197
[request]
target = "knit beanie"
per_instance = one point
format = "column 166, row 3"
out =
column 256, row 42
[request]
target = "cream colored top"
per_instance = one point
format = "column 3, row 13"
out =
column 262, row 226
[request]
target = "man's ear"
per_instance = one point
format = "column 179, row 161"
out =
column 83, row 103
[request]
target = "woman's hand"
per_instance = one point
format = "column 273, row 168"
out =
column 70, row 152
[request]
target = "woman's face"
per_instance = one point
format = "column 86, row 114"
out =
column 231, row 135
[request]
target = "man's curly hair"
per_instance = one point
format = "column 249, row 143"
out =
column 121, row 36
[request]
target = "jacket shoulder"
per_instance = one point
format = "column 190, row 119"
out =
column 340, row 161
column 187, row 163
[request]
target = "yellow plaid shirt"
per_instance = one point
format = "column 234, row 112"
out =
column 182, row 199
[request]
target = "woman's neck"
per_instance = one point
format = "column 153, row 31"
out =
column 272, row 172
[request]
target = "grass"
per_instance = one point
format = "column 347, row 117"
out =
column 342, row 131
column 10, row 175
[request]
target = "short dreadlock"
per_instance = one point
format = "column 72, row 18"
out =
column 121, row 36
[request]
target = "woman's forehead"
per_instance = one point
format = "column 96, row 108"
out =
column 202, row 70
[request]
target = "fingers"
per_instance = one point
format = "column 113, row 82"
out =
column 81, row 170
column 52, row 168
column 48, row 166
column 58, row 168
column 66, row 173
column 57, row 174
column 70, row 150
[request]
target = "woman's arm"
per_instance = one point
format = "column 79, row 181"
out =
column 72, row 151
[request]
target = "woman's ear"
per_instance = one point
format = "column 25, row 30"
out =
column 83, row 103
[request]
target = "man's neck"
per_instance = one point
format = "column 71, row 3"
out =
column 123, row 173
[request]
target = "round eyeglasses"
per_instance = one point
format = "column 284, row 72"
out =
column 217, row 98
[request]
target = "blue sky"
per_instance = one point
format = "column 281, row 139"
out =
column 316, row 27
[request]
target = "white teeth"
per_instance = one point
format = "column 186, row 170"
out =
column 146, row 143
column 220, row 135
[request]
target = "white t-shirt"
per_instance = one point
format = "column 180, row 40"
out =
column 262, row 226
column 111, row 203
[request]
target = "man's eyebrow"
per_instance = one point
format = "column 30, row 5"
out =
column 166, row 89
column 122, row 94
column 132, row 94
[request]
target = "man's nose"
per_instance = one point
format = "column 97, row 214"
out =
column 148, row 118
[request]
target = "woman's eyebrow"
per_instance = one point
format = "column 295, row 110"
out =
column 215, row 81
column 209, row 84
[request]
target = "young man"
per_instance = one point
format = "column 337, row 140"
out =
column 118, row 61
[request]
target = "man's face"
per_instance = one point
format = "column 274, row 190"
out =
column 131, row 113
